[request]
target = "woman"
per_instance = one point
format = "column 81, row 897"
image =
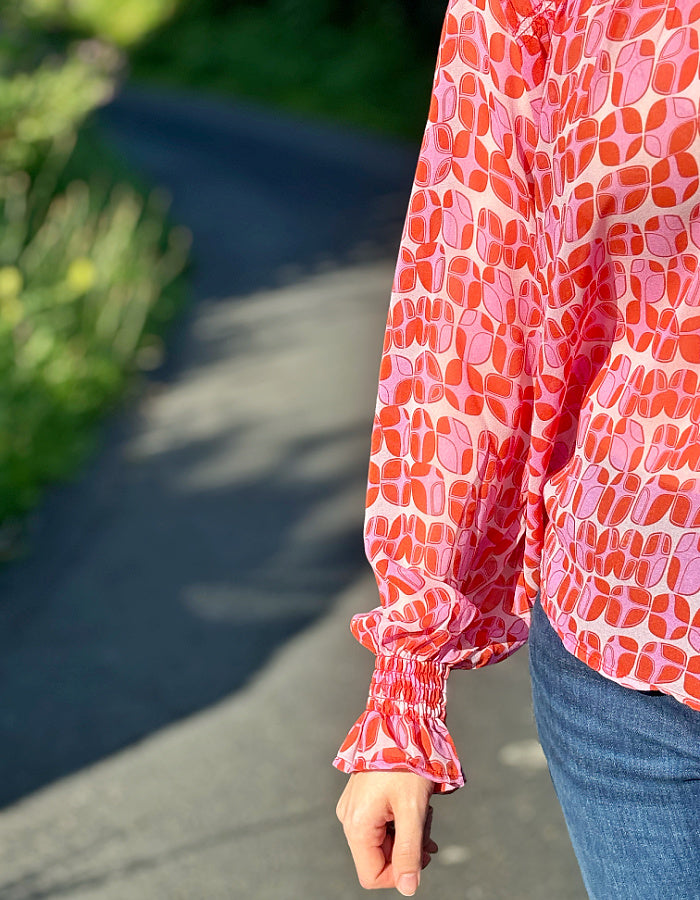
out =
column 537, row 437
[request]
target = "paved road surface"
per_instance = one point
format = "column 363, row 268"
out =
column 176, row 670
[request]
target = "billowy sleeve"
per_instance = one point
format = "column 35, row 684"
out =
column 444, row 527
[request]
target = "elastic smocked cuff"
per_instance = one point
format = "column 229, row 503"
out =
column 403, row 725
column 408, row 686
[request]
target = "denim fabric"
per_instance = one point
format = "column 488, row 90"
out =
column 626, row 768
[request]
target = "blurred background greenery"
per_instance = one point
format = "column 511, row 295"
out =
column 365, row 63
column 89, row 264
column 91, row 269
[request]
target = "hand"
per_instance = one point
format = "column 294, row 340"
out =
column 386, row 818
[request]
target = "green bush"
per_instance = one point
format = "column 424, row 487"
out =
column 75, row 299
column 364, row 66
column 89, row 264
column 122, row 22
column 49, row 103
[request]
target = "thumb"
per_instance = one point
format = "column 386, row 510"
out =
column 407, row 852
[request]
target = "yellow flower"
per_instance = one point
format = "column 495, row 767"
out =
column 81, row 274
column 11, row 281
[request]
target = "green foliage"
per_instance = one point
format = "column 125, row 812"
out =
column 48, row 103
column 361, row 64
column 88, row 264
column 122, row 22
column 76, row 305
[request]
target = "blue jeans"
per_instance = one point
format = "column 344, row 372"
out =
column 626, row 768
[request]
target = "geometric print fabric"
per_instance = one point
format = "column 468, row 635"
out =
column 537, row 426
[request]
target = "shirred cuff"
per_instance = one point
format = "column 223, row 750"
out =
column 403, row 725
column 401, row 685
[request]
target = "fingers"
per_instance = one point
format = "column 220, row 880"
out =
column 386, row 818
column 371, row 848
column 407, row 853
column 429, row 845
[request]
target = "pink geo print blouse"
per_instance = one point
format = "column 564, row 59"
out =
column 538, row 419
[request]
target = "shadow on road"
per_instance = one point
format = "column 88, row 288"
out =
column 223, row 513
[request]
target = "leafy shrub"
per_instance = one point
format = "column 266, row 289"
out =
column 75, row 299
column 50, row 102
column 88, row 265
column 123, row 22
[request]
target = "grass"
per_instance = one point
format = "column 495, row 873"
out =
column 91, row 273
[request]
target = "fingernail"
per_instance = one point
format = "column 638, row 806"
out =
column 407, row 885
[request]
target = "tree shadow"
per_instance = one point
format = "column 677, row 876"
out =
column 223, row 513
column 153, row 602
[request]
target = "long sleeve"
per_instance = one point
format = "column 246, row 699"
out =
column 445, row 519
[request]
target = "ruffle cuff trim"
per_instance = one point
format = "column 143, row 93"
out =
column 387, row 743
column 403, row 725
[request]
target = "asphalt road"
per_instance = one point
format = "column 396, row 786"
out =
column 176, row 670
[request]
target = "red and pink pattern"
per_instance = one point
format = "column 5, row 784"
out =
column 538, row 415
